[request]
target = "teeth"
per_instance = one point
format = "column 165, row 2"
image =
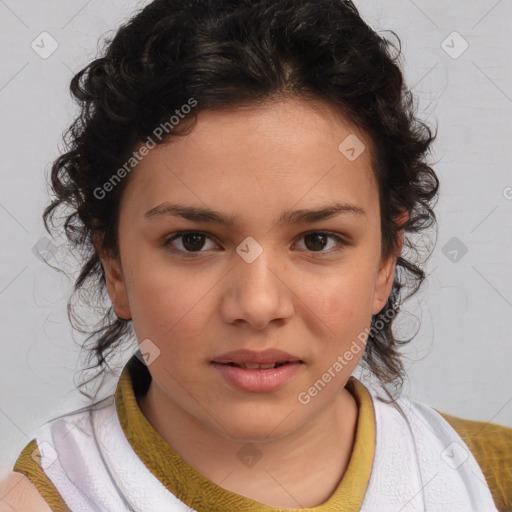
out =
column 254, row 366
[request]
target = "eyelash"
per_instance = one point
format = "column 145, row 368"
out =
column 342, row 243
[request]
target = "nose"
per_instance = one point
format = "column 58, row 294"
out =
column 257, row 293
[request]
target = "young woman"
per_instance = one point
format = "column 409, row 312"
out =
column 241, row 180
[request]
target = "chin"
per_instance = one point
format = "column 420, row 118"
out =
column 247, row 426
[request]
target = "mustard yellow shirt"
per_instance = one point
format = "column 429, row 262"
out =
column 491, row 444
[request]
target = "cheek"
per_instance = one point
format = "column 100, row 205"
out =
column 342, row 301
column 166, row 302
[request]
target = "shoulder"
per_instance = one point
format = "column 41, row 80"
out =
column 491, row 445
column 28, row 468
column 19, row 494
column 65, row 438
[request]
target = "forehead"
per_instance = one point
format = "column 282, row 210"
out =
column 276, row 155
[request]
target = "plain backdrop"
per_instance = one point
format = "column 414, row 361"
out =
column 456, row 60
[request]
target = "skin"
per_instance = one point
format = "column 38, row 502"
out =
column 309, row 300
column 19, row 494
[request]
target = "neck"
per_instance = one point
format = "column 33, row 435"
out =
column 301, row 469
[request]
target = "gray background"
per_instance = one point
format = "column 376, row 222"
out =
column 460, row 360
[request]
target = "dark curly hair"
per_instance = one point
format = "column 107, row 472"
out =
column 225, row 54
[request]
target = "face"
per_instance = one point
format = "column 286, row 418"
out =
column 258, row 274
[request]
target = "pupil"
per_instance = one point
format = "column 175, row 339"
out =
column 195, row 241
column 195, row 237
column 318, row 238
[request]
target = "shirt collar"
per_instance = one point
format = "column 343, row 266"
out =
column 201, row 493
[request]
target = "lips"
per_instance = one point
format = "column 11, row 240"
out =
column 257, row 372
column 256, row 366
column 250, row 359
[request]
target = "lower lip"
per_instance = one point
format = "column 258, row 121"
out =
column 258, row 381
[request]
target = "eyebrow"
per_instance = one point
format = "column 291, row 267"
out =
column 196, row 214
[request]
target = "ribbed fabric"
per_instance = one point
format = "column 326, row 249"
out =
column 203, row 495
column 491, row 445
column 28, row 465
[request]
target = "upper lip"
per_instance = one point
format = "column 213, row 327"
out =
column 251, row 356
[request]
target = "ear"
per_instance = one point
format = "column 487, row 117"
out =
column 116, row 285
column 386, row 272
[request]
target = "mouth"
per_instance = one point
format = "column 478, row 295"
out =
column 259, row 366
column 258, row 377
column 257, row 371
column 257, row 360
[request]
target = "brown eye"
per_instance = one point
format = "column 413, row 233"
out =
column 193, row 241
column 318, row 240
column 190, row 242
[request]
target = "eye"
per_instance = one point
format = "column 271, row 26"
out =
column 191, row 241
column 317, row 240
